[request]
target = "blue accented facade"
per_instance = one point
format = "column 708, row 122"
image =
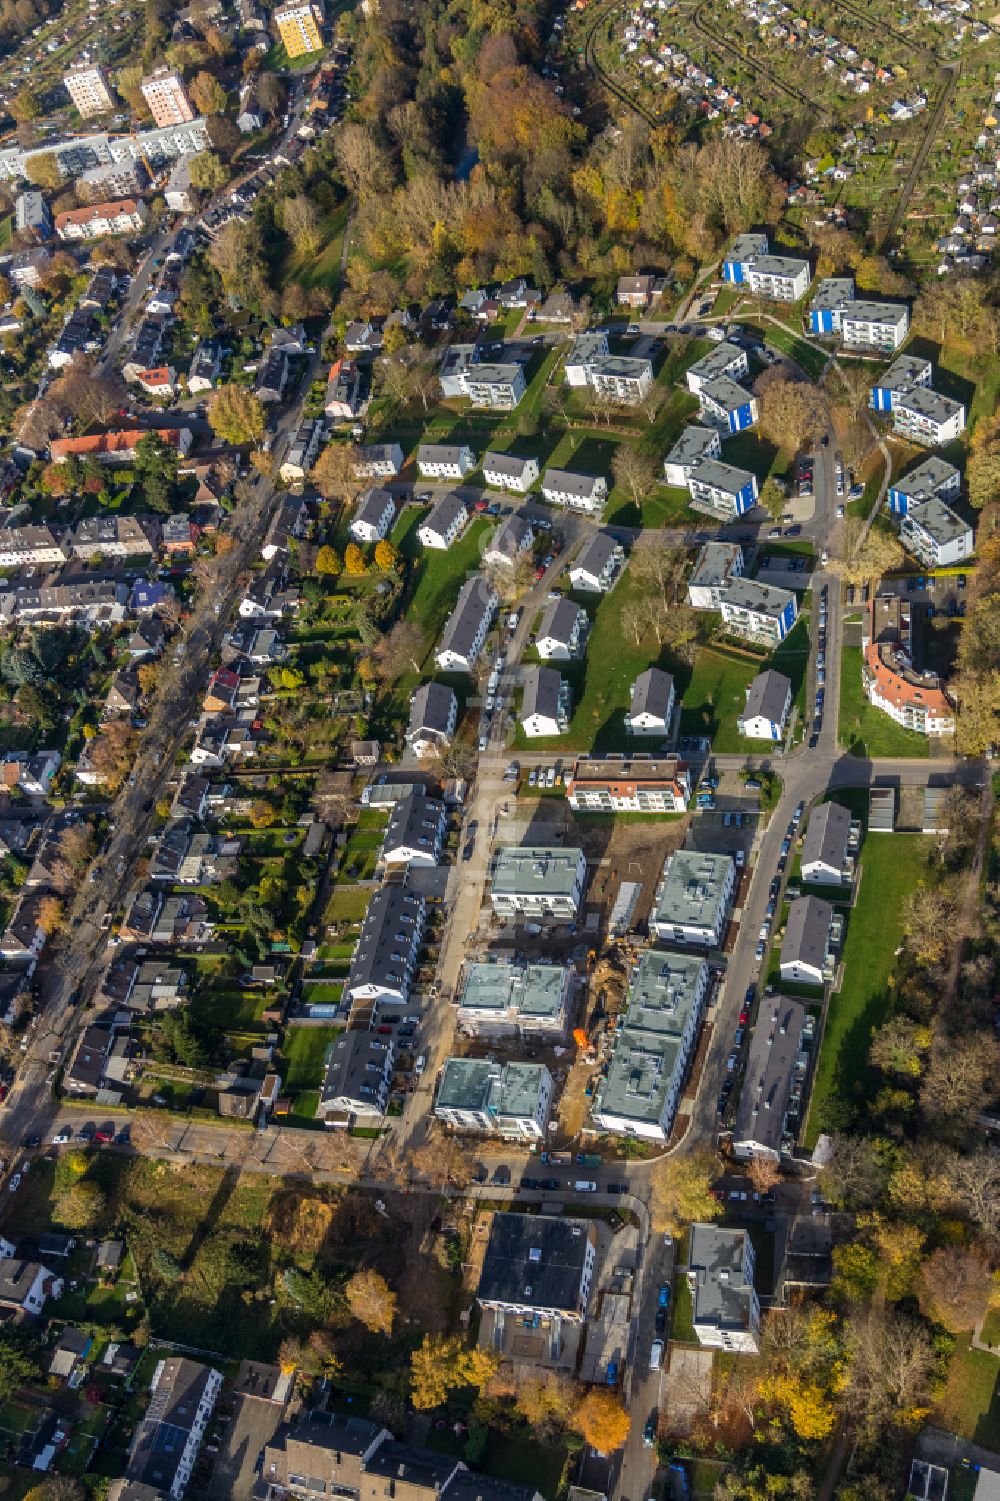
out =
column 734, row 271
column 821, row 320
column 882, row 398
column 747, row 498
column 741, row 418
column 787, row 619
column 899, row 501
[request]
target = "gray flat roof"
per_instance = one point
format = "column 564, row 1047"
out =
column 531, row 990
column 621, row 366
column 833, row 292
column 930, row 404
column 663, row 991
column 714, row 565
column 718, row 360
column 926, row 480
column 720, row 476
column 726, row 393
column 534, row 1260
column 745, row 246
column 763, row 599
column 693, row 881
column 536, row 870
column 692, row 443
column 721, row 1295
column 779, row 265
column 500, row 1089
column 639, row 1076
column 938, row 520
column 892, row 313
column 905, row 371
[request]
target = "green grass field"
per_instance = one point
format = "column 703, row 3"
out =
column 437, row 579
column 347, row 903
column 602, row 683
column 304, row 1050
column 323, row 268
column 891, row 866
column 714, row 697
column 865, row 730
column 970, row 1402
column 232, row 1010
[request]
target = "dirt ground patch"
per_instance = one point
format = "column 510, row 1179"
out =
column 624, row 850
column 687, row 1387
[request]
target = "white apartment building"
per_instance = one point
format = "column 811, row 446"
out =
column 167, row 97
column 87, row 86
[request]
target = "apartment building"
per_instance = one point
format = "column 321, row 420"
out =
column 860, row 323
column 758, row 612
column 724, row 360
column 501, row 999
column 168, row 99
column 125, row 216
column 693, row 447
column 496, row 388
column 726, row 1311
column 166, row 1443
column 87, row 85
column 576, row 492
column 629, row 784
column 654, row 1045
column 768, row 705
column 621, row 379
column 445, row 460
column 357, row 1082
column 918, row 412
column 651, row 708
column 716, row 566
column 385, row 957
column 722, row 490
column 694, row 899
column 546, row 705
column 433, row 718
column 509, row 1100
column 300, row 27
column 727, row 406
column 598, row 565
column 769, row 1112
column 538, row 881
column 507, row 471
column 889, row 674
column 467, row 626
column 831, row 843
column 937, row 536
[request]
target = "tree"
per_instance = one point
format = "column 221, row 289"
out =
column 44, row 171
column 364, row 165
column 386, row 555
column 764, row 1174
column 77, row 846
column 982, row 474
column 866, row 553
column 207, row 94
column 328, row 562
column 25, row 105
column 854, row 1175
column 51, row 912
column 370, row 1301
column 262, row 815
column 602, row 1420
column 400, row 649
column 333, row 472
column 302, row 224
column 81, row 1206
column 793, row 413
column 19, row 1362
column 927, row 915
column 900, row 1047
column 954, row 1286
column 354, row 562
column 889, row 1363
column 154, row 464
column 961, row 1074
column 773, row 498
column 208, row 173
column 436, row 1367
column 237, row 416
column 680, row 1190
column 635, row 471
column 271, row 94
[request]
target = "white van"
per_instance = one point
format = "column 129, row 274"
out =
column 585, row 1186
column 656, row 1355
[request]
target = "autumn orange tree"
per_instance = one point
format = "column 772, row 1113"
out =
column 441, row 1364
column 602, row 1420
column 371, row 1301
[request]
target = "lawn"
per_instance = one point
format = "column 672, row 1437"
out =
column 813, row 361
column 682, row 1324
column 436, row 579
column 232, row 1010
column 602, row 683
column 970, row 1402
column 305, row 1049
column 792, row 658
column 865, row 730
column 323, row 268
column 714, row 698
column 891, row 866
column 347, row 903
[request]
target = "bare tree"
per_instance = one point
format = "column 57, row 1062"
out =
column 635, row 471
